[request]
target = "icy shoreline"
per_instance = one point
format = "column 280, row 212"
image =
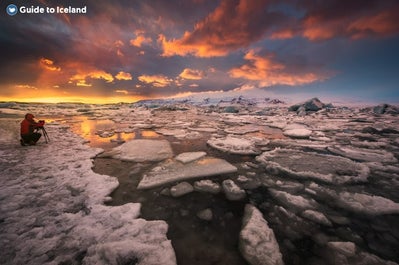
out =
column 52, row 209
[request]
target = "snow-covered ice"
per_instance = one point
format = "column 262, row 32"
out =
column 234, row 145
column 140, row 150
column 52, row 211
column 319, row 167
column 172, row 171
column 331, row 197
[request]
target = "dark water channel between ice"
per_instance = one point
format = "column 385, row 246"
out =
column 216, row 242
column 195, row 241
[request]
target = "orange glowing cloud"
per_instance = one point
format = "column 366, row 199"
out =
column 268, row 72
column 122, row 91
column 383, row 23
column 317, row 29
column 283, row 34
column 140, row 40
column 192, row 74
column 355, row 26
column 48, row 64
column 232, row 25
column 123, row 76
column 80, row 78
column 155, row 80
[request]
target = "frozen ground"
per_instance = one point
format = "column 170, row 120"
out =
column 52, row 208
column 322, row 180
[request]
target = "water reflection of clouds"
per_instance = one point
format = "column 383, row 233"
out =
column 90, row 130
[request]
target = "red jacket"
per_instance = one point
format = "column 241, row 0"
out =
column 27, row 127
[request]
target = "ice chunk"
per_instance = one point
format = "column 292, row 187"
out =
column 207, row 185
column 326, row 168
column 298, row 133
column 232, row 191
column 181, row 189
column 171, row 171
column 257, row 242
column 296, row 130
column 362, row 154
column 189, row 156
column 367, row 204
column 295, row 203
column 316, row 217
column 234, row 145
column 346, row 248
column 205, row 214
column 142, row 150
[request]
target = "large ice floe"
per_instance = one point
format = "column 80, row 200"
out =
column 320, row 167
column 362, row 154
column 52, row 211
column 234, row 145
column 173, row 170
column 140, row 150
column 258, row 244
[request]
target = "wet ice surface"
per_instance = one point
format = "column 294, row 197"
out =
column 325, row 182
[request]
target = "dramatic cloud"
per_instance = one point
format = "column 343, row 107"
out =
column 232, row 25
column 94, row 74
column 354, row 19
column 156, row 80
column 192, row 74
column 140, row 40
column 131, row 49
column 123, row 76
column 268, row 72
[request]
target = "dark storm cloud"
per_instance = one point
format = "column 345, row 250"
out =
column 160, row 48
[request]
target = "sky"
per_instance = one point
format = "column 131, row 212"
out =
column 127, row 50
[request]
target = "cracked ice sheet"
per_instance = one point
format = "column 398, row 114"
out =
column 307, row 165
column 51, row 206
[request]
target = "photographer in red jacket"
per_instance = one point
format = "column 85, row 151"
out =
column 29, row 128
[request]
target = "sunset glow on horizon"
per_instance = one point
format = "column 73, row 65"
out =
column 125, row 51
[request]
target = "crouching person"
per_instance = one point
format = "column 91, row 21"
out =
column 29, row 130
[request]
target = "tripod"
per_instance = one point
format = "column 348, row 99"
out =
column 45, row 135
